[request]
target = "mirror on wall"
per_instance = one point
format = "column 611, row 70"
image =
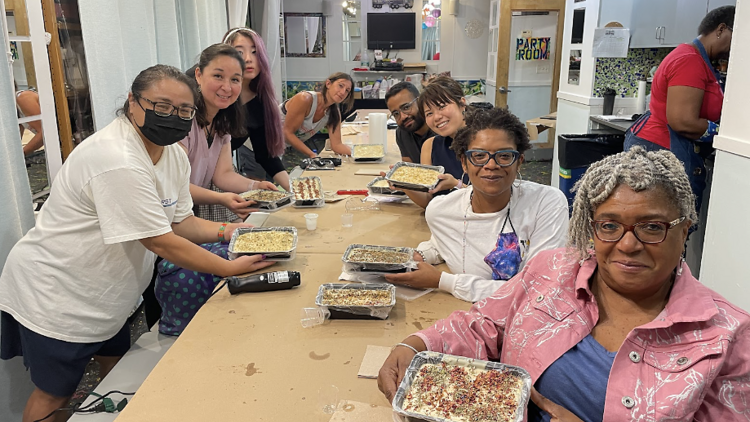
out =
column 574, row 67
column 431, row 18
column 352, row 30
column 304, row 35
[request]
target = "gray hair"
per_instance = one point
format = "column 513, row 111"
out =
column 640, row 170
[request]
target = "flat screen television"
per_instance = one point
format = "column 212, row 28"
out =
column 388, row 31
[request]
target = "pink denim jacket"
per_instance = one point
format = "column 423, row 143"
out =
column 691, row 363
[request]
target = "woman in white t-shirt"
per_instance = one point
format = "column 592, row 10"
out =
column 488, row 231
column 121, row 198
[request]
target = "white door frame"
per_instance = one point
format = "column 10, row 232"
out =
column 44, row 83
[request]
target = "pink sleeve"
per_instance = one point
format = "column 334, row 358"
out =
column 728, row 398
column 478, row 333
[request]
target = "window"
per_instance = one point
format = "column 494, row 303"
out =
column 431, row 17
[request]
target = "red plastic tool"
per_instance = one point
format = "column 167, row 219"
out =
column 351, row 192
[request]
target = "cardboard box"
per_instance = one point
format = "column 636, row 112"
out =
column 540, row 124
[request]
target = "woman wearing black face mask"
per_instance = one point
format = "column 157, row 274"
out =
column 121, row 198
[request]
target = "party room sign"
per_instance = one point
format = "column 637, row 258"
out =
column 532, row 48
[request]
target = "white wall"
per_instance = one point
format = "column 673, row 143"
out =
column 466, row 58
column 724, row 264
column 124, row 37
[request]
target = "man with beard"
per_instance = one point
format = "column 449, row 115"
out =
column 412, row 130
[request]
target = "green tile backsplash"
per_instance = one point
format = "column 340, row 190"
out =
column 623, row 74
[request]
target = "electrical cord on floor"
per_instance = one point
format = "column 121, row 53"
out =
column 101, row 404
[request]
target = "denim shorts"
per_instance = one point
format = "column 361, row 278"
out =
column 56, row 366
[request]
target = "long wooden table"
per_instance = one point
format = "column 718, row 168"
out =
column 247, row 357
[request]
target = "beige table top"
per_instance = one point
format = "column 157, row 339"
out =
column 247, row 357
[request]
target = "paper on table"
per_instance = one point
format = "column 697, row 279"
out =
column 370, row 172
column 374, row 358
column 350, row 130
column 611, row 42
column 406, row 293
column 354, row 411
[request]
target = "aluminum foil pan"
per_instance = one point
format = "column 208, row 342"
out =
column 368, row 158
column 286, row 255
column 310, row 201
column 353, row 265
column 311, row 164
column 287, row 199
column 422, row 358
column 377, row 190
column 413, row 186
column 379, row 312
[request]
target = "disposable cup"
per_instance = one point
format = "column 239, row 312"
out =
column 347, row 219
column 311, row 219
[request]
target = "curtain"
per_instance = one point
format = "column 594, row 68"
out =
column 237, row 12
column 429, row 46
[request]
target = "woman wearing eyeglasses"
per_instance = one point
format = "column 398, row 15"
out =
column 615, row 328
column 120, row 199
column 486, row 232
column 220, row 116
column 686, row 99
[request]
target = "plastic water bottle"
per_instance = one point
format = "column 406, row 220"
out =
column 365, row 60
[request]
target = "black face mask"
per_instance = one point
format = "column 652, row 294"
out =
column 164, row 131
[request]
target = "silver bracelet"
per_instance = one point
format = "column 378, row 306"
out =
column 406, row 345
column 420, row 254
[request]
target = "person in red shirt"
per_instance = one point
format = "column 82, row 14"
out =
column 686, row 99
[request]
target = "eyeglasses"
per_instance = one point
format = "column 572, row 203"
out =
column 405, row 108
column 163, row 109
column 646, row 231
column 504, row 158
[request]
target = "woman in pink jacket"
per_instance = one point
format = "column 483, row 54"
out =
column 622, row 332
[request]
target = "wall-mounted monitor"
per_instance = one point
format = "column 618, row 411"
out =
column 389, row 31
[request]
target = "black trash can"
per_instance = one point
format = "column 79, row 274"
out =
column 577, row 152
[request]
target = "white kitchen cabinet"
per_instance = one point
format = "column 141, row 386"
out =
column 649, row 20
column 688, row 15
column 658, row 23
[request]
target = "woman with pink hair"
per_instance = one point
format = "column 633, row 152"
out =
column 262, row 120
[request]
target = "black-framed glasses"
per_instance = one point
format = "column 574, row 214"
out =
column 504, row 158
column 646, row 231
column 405, row 108
column 163, row 109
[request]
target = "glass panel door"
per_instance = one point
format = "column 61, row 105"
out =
column 25, row 41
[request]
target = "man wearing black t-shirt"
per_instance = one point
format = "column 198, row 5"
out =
column 412, row 130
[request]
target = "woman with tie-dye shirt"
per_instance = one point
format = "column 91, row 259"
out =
column 487, row 232
column 622, row 332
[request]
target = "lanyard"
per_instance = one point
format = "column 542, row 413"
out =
column 702, row 50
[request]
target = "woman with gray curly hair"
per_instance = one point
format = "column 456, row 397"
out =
column 615, row 327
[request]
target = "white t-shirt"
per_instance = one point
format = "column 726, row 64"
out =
column 539, row 215
column 76, row 275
